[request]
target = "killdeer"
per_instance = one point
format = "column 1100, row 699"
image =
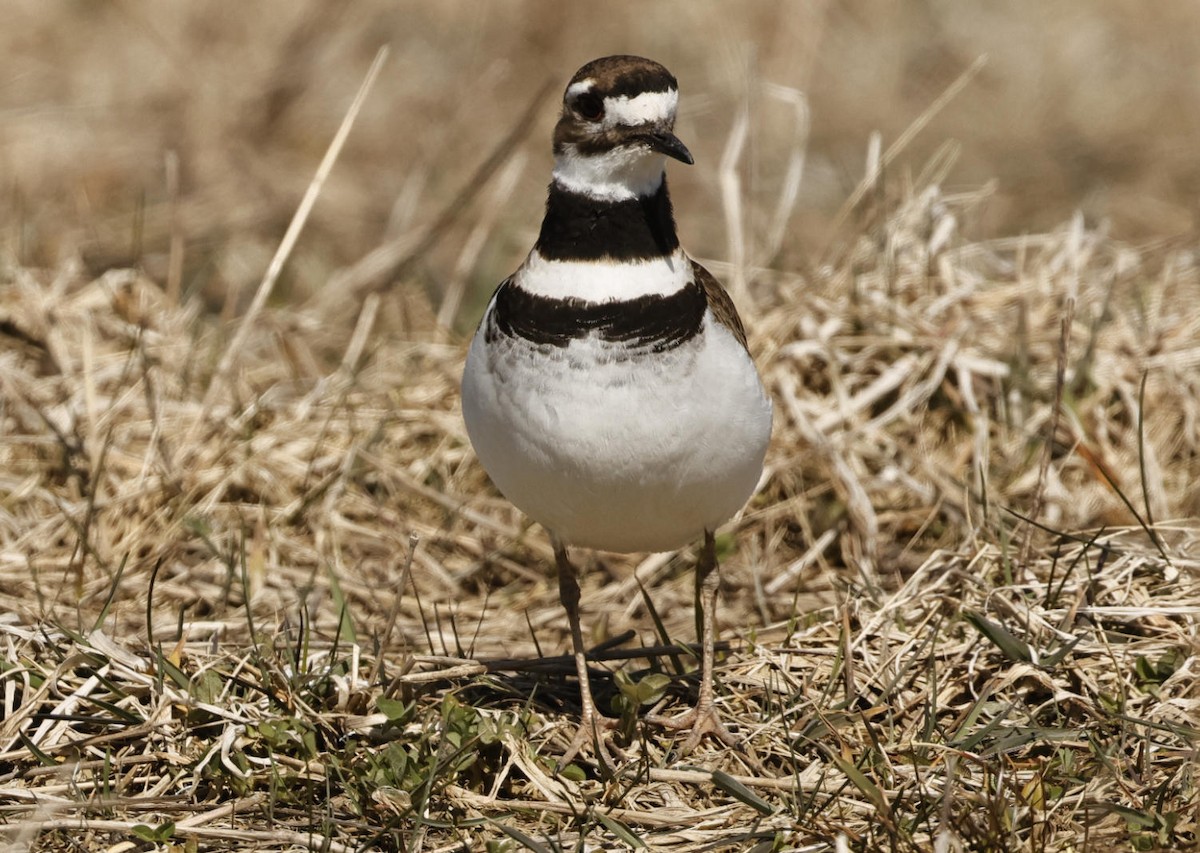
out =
column 608, row 390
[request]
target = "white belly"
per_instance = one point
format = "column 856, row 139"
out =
column 619, row 453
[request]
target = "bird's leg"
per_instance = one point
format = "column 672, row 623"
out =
column 592, row 724
column 703, row 718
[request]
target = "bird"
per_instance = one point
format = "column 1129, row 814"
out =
column 608, row 390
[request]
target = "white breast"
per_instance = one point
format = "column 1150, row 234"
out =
column 619, row 452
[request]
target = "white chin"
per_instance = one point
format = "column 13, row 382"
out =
column 617, row 175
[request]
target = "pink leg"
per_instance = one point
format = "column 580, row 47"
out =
column 593, row 725
column 703, row 718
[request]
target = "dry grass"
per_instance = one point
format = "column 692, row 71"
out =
column 207, row 624
column 1082, row 105
column 278, row 606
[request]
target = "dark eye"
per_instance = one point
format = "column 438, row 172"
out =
column 589, row 106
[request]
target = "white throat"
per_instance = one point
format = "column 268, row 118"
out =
column 617, row 175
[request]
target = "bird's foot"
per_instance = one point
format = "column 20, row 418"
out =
column 698, row 722
column 593, row 736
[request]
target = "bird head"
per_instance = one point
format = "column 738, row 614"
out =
column 616, row 128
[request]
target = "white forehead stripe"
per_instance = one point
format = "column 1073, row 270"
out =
column 648, row 107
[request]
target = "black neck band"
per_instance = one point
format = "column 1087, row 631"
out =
column 580, row 228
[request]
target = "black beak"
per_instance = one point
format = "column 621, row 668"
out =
column 665, row 142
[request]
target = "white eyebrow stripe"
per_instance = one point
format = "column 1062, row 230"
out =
column 581, row 87
column 648, row 107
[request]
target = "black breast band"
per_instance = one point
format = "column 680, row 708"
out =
column 653, row 322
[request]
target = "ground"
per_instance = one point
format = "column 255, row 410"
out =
column 256, row 592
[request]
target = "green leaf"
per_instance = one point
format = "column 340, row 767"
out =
column 651, row 688
column 860, row 781
column 1056, row 657
column 345, row 629
column 395, row 710
column 154, row 834
column 1013, row 648
column 726, row 544
column 645, row 691
column 523, row 839
column 621, row 831
column 740, row 792
column 573, row 773
column 206, row 687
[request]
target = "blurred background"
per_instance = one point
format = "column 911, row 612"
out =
column 126, row 124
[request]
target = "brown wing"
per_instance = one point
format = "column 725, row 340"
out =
column 720, row 302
